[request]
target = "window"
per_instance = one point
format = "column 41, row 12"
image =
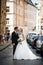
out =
column 41, row 27
column 7, row 9
column 10, row 7
column 7, row 20
column 42, row 20
column 6, row 28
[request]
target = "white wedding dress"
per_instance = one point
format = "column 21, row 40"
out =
column 23, row 51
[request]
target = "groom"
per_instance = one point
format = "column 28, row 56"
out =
column 14, row 39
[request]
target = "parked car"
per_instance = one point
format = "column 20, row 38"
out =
column 41, row 50
column 39, row 43
column 29, row 37
column 34, row 38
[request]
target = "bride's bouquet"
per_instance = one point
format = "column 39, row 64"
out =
column 19, row 40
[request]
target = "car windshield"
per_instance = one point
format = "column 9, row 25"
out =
column 41, row 38
column 30, row 34
column 34, row 37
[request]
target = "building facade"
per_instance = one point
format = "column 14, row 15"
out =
column 21, row 14
column 41, row 17
column 0, row 16
column 18, row 13
column 3, row 16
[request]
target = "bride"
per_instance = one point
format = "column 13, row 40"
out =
column 22, row 49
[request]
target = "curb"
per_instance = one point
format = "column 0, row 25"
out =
column 5, row 47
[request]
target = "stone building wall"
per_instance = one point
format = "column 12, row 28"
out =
column 23, row 15
column 3, row 15
column 0, row 16
column 41, row 17
column 18, row 15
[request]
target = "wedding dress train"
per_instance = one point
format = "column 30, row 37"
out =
column 24, row 52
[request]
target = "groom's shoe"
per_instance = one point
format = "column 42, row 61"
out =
column 22, row 59
column 13, row 58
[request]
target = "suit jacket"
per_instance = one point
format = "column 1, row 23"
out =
column 14, row 38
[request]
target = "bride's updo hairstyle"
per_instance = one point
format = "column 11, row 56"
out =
column 21, row 30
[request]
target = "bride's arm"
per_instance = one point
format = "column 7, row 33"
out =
column 23, row 37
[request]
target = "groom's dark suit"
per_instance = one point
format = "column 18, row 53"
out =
column 14, row 40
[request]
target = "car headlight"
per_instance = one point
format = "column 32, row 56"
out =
column 32, row 40
column 39, row 43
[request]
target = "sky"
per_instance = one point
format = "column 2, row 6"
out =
column 36, row 1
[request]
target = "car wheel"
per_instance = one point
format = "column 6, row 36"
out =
column 42, row 50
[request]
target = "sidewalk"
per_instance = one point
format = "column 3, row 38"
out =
column 5, row 45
